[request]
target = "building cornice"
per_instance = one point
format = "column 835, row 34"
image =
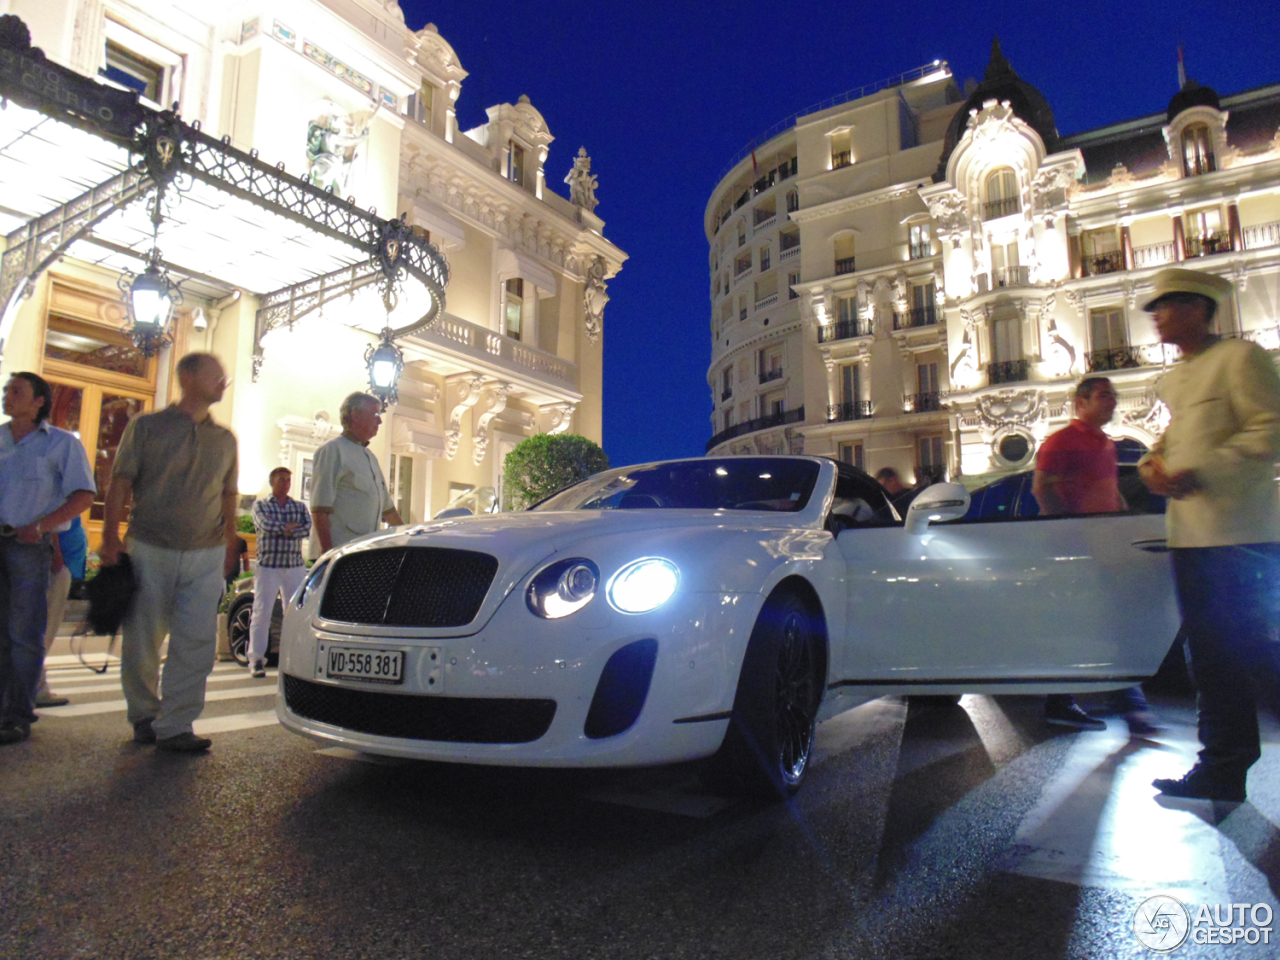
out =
column 843, row 205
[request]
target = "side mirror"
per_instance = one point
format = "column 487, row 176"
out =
column 452, row 512
column 940, row 502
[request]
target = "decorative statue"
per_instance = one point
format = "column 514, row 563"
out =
column 332, row 143
column 594, row 298
column 582, row 185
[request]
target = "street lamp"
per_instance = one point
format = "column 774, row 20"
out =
column 385, row 362
column 151, row 298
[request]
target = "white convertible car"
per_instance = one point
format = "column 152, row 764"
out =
column 709, row 607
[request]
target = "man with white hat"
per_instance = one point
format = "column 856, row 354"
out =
column 1216, row 464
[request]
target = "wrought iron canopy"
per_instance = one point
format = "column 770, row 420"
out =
column 104, row 157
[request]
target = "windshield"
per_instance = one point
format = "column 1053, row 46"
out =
column 728, row 483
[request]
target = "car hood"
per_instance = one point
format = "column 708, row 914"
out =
column 729, row 551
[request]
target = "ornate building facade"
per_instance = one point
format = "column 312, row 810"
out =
column 344, row 96
column 953, row 266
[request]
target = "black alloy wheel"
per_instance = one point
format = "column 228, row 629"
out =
column 770, row 738
column 238, row 619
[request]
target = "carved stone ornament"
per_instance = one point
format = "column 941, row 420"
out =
column 1152, row 417
column 594, row 298
column 557, row 417
column 492, row 401
column 950, row 211
column 468, row 394
column 1050, row 185
column 582, row 185
column 1011, row 408
column 334, row 136
column 964, row 368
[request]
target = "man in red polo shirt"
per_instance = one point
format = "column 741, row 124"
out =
column 1076, row 473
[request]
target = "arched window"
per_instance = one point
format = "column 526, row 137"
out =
column 1002, row 194
column 793, row 201
column 1197, row 150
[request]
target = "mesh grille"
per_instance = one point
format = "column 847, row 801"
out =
column 412, row 717
column 409, row 587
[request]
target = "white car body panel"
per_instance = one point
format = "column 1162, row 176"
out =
column 895, row 623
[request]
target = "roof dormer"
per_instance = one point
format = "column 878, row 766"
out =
column 1196, row 134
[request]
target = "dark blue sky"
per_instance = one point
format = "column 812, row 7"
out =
column 663, row 94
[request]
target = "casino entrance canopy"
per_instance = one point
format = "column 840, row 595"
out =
column 81, row 161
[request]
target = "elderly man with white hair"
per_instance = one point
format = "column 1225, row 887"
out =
column 349, row 495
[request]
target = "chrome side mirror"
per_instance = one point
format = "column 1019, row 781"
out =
column 938, row 503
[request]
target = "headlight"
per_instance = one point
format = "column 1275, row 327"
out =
column 563, row 588
column 314, row 575
column 644, row 585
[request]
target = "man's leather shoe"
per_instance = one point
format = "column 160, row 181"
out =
column 1198, row 785
column 14, row 732
column 51, row 700
column 186, row 742
column 142, row 732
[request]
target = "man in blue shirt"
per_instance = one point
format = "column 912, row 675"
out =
column 45, row 480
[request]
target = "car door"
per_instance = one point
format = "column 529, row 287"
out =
column 989, row 603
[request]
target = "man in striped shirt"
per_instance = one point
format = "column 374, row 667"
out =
column 282, row 524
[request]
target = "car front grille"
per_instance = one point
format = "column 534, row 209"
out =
column 416, row 717
column 409, row 587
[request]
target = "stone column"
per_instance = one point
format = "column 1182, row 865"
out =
column 1179, row 240
column 1233, row 227
column 1126, row 246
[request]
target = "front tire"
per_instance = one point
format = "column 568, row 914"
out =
column 770, row 738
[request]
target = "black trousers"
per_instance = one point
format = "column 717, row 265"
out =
column 1228, row 597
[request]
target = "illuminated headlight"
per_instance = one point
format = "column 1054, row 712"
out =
column 314, row 576
column 644, row 585
column 563, row 588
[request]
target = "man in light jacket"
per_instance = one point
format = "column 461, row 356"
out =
column 1216, row 463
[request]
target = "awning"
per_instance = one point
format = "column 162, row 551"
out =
column 81, row 162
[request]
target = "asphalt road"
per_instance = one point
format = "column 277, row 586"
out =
column 922, row 833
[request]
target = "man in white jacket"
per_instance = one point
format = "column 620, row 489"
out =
column 1216, row 463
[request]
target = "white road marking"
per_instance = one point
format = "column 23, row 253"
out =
column 239, row 721
column 118, row 706
column 105, row 683
column 1097, row 823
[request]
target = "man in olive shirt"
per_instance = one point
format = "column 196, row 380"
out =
column 349, row 496
column 179, row 468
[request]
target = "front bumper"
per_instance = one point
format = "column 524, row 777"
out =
column 520, row 691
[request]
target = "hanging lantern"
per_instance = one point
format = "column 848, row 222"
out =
column 385, row 362
column 151, row 298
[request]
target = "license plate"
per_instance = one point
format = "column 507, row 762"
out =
column 363, row 663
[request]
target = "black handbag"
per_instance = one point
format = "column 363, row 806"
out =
column 110, row 595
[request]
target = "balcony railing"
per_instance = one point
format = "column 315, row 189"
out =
column 742, row 268
column 1152, row 255
column 764, row 218
column 929, row 402
column 844, row 330
column 1008, row 371
column 994, row 209
column 842, row 159
column 921, row 251
column 849, row 410
column 915, row 317
column 1207, row 246
column 768, row 301
column 1261, row 235
column 463, row 338
column 1099, row 263
column 789, row 241
column 760, row 423
column 934, row 472
column 788, row 253
column 768, row 376
column 844, row 265
column 1115, row 358
column 1010, row 277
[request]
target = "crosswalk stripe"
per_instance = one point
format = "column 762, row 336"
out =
column 118, row 706
column 239, row 721
column 83, row 676
column 105, row 683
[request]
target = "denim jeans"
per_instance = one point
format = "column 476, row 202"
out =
column 178, row 594
column 24, row 580
column 1228, row 598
